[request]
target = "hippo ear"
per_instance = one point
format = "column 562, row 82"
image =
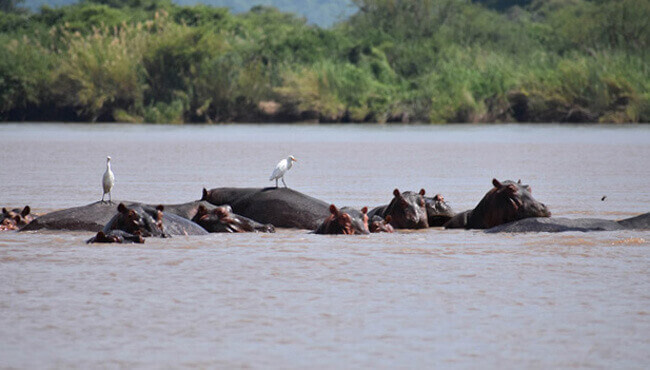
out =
column 121, row 208
column 396, row 193
column 422, row 192
column 364, row 210
column 333, row 210
column 160, row 207
column 205, row 194
column 496, row 183
column 527, row 187
column 25, row 211
column 388, row 219
column 439, row 198
column 4, row 211
column 519, row 181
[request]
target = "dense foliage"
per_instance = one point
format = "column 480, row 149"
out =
column 426, row 61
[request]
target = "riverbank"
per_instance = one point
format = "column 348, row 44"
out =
column 416, row 61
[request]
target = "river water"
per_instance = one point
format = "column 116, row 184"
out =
column 430, row 298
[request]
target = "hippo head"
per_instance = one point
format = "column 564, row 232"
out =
column 408, row 210
column 380, row 225
column 359, row 219
column 146, row 222
column 16, row 218
column 438, row 211
column 116, row 236
column 219, row 220
column 507, row 201
column 338, row 222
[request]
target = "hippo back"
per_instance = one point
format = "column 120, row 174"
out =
column 280, row 207
column 556, row 224
column 91, row 217
column 177, row 225
column 188, row 210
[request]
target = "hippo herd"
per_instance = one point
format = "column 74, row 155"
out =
column 507, row 207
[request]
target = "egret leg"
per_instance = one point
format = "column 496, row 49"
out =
column 110, row 198
column 285, row 184
column 276, row 183
column 103, row 197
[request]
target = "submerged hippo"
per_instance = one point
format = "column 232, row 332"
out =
column 116, row 236
column 559, row 224
column 380, row 225
column 348, row 221
column 407, row 210
column 506, row 202
column 220, row 219
column 438, row 211
column 95, row 216
column 15, row 219
column 280, row 207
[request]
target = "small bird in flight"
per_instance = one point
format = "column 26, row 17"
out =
column 108, row 181
column 282, row 168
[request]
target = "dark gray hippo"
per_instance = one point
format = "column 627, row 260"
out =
column 14, row 219
column 347, row 221
column 188, row 210
column 407, row 210
column 438, row 211
column 116, row 236
column 221, row 219
column 96, row 216
column 559, row 224
column 380, row 225
column 507, row 201
column 151, row 221
column 280, row 207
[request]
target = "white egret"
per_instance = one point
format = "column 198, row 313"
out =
column 282, row 168
column 108, row 181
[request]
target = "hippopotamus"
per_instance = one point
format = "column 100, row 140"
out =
column 560, row 224
column 95, row 216
column 188, row 210
column 280, row 207
column 507, row 201
column 347, row 220
column 407, row 210
column 116, row 236
column 438, row 211
column 221, row 219
column 140, row 219
column 380, row 225
column 15, row 218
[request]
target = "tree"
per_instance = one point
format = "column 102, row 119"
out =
column 10, row 5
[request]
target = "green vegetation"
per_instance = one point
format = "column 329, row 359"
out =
column 392, row 61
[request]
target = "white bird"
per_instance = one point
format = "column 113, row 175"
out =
column 108, row 181
column 282, row 168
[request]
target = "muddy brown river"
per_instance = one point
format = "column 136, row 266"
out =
column 431, row 298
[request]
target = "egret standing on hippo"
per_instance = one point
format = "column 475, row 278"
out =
column 282, row 168
column 108, row 180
